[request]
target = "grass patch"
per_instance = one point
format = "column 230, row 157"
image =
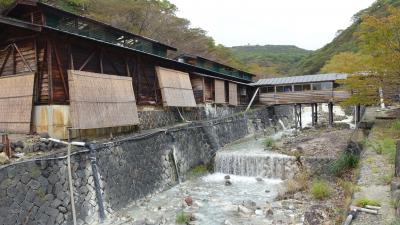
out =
column 386, row 146
column 362, row 202
column 182, row 218
column 396, row 125
column 395, row 222
column 269, row 143
column 347, row 187
column 320, row 189
column 387, row 179
column 198, row 171
column 344, row 162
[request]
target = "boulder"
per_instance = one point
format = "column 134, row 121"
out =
column 4, row 159
column 189, row 201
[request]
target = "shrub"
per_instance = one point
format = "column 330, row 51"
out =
column 344, row 162
column 320, row 189
column 362, row 202
column 396, row 125
column 269, row 143
column 182, row 218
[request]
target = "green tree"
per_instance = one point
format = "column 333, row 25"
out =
column 376, row 66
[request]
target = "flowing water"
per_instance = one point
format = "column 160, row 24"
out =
column 255, row 178
column 252, row 160
column 215, row 203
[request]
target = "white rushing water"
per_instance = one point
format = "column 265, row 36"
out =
column 251, row 159
column 337, row 110
column 255, row 176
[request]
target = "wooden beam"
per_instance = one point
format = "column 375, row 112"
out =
column 5, row 60
column 128, row 72
column 50, row 71
column 87, row 60
column 71, row 58
column 22, row 57
column 60, row 69
column 101, row 61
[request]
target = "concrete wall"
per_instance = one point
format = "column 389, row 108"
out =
column 36, row 192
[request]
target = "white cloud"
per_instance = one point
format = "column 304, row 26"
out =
column 308, row 24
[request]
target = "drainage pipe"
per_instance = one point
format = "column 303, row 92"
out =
column 96, row 180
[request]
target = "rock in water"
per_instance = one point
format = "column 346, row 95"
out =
column 259, row 179
column 227, row 177
column 189, row 201
column 4, row 159
column 228, row 183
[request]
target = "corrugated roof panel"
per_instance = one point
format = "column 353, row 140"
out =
column 301, row 79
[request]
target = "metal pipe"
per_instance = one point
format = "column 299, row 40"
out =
column 96, row 180
column 252, row 99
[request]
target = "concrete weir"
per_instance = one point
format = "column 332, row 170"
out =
column 131, row 168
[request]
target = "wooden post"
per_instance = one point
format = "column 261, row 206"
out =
column 358, row 108
column 315, row 113
column 297, row 116
column 330, row 118
column 300, row 123
column 397, row 162
column 50, row 71
column 312, row 114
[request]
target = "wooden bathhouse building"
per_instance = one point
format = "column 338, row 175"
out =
column 59, row 70
column 319, row 88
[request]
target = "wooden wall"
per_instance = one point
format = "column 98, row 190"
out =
column 302, row 97
column 198, row 88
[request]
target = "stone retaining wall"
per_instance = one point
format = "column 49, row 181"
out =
column 36, row 192
column 167, row 117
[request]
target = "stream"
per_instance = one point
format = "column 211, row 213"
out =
column 255, row 177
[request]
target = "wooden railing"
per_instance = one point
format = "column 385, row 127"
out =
column 302, row 97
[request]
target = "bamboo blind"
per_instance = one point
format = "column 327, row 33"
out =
column 16, row 96
column 219, row 91
column 176, row 89
column 233, row 94
column 101, row 100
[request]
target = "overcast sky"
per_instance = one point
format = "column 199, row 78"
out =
column 308, row 24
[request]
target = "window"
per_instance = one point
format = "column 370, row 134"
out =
column 306, row 87
column 269, row 89
column 316, row 86
column 287, row 88
column 298, row 87
column 326, row 86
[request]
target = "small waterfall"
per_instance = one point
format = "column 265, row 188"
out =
column 264, row 165
column 282, row 124
column 175, row 162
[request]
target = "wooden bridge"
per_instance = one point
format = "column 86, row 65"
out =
column 298, row 90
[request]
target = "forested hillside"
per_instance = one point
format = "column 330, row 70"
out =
column 271, row 59
column 346, row 41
